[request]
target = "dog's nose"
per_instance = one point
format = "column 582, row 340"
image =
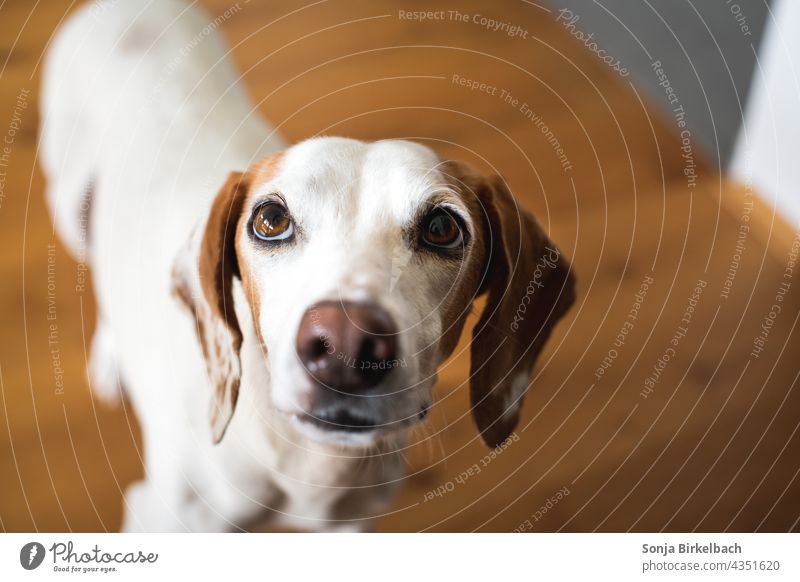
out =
column 347, row 346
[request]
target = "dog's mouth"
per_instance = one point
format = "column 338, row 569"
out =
column 339, row 419
column 348, row 426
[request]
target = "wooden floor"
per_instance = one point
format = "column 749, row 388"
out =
column 713, row 446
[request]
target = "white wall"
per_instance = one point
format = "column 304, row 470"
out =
column 707, row 49
column 767, row 151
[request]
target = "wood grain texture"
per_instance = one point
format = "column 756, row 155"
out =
column 714, row 446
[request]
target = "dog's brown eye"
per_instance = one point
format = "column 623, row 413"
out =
column 271, row 221
column 441, row 230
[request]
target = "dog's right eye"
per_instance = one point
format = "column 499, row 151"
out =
column 440, row 230
column 271, row 222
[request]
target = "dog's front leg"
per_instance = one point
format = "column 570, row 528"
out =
column 146, row 510
column 150, row 508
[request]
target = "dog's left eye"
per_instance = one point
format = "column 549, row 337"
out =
column 440, row 229
column 271, row 221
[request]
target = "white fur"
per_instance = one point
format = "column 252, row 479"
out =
column 155, row 143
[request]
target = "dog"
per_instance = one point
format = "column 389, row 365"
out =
column 275, row 314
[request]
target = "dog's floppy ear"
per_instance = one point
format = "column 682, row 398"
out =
column 203, row 281
column 530, row 287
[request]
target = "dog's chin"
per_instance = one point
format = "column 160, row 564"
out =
column 344, row 429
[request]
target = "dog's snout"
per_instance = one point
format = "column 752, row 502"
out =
column 347, row 346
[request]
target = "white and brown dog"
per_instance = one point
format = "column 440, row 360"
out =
column 275, row 314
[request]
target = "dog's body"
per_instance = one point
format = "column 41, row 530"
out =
column 143, row 121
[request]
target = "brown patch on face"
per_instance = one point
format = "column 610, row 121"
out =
column 264, row 170
column 261, row 173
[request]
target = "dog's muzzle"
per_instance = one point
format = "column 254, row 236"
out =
column 348, row 350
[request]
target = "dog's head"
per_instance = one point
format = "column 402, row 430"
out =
column 360, row 263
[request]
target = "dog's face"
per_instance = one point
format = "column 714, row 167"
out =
column 360, row 263
column 353, row 252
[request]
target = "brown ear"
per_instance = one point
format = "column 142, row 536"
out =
column 530, row 287
column 204, row 283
